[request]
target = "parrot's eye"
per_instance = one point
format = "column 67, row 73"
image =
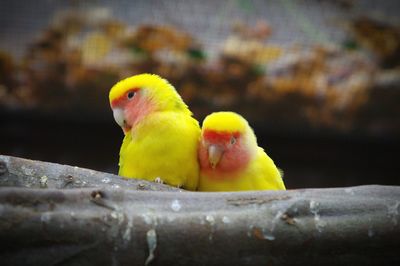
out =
column 130, row 95
column 233, row 140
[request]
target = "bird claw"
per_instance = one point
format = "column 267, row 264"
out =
column 158, row 180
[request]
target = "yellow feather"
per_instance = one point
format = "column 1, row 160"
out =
column 164, row 144
column 260, row 173
column 156, row 88
column 225, row 121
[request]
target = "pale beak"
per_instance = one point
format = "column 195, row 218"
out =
column 119, row 117
column 214, row 154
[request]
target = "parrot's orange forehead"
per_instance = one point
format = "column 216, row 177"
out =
column 218, row 136
column 122, row 98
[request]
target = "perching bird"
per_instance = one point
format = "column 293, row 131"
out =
column 161, row 136
column 230, row 159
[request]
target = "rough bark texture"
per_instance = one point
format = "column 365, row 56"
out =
column 18, row 172
column 123, row 226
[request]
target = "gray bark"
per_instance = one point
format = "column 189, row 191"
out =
column 19, row 172
column 124, row 226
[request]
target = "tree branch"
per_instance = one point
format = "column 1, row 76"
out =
column 120, row 226
column 26, row 173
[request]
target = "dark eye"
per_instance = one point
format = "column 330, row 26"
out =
column 233, row 140
column 130, row 95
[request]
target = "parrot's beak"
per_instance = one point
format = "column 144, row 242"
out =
column 119, row 117
column 214, row 154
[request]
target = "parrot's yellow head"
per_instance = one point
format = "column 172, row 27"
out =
column 133, row 98
column 227, row 142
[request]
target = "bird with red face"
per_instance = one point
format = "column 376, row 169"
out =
column 161, row 136
column 230, row 159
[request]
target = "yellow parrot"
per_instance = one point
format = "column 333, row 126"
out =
column 161, row 136
column 230, row 159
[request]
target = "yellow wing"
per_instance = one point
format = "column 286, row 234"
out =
column 163, row 145
column 266, row 174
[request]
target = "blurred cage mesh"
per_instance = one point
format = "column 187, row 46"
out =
column 304, row 64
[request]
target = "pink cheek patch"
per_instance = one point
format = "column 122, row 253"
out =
column 203, row 157
column 137, row 109
column 235, row 159
column 117, row 102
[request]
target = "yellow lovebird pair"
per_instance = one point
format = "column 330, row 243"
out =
column 163, row 142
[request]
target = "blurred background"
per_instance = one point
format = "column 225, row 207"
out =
column 318, row 80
